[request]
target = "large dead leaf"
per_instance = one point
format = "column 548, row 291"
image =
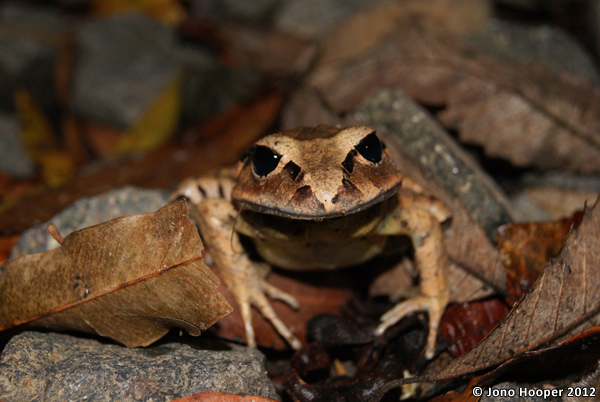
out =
column 564, row 301
column 130, row 279
column 526, row 115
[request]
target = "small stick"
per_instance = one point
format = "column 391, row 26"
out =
column 54, row 232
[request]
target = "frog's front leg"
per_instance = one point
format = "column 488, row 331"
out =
column 244, row 277
column 430, row 257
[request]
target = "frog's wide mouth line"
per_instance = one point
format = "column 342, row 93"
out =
column 317, row 216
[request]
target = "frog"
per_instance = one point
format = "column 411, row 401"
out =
column 318, row 198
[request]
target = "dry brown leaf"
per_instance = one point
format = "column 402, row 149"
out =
column 465, row 325
column 130, row 279
column 563, row 299
column 526, row 115
column 525, row 248
column 212, row 396
column 231, row 123
column 275, row 54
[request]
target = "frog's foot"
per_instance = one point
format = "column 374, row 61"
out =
column 254, row 293
column 433, row 306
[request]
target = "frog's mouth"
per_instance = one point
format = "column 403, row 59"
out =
column 313, row 210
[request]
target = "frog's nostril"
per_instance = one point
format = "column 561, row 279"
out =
column 293, row 169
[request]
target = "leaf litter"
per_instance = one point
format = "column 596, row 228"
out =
column 561, row 310
column 130, row 279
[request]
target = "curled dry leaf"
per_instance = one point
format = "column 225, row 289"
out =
column 130, row 279
column 525, row 248
column 564, row 301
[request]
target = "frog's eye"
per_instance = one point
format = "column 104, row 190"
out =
column 370, row 148
column 264, row 160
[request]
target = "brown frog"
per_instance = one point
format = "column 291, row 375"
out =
column 316, row 199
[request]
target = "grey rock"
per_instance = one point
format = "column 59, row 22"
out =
column 209, row 91
column 535, row 45
column 37, row 17
column 26, row 62
column 88, row 212
column 418, row 135
column 51, row 367
column 313, row 18
column 13, row 156
column 124, row 62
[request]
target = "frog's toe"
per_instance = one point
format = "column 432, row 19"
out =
column 264, row 306
column 256, row 296
column 434, row 308
column 246, row 311
column 277, row 294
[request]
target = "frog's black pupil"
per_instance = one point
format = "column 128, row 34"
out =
column 264, row 160
column 370, row 148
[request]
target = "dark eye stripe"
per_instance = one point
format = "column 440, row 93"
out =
column 348, row 163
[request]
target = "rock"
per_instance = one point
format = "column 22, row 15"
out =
column 124, row 62
column 208, row 92
column 88, row 212
column 13, row 156
column 25, row 62
column 52, row 367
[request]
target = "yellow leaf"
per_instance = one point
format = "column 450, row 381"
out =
column 36, row 131
column 57, row 167
column 40, row 141
column 157, row 124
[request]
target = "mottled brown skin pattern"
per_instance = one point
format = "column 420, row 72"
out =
column 318, row 198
